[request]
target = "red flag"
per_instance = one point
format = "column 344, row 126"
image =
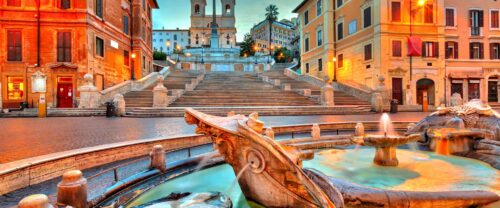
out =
column 414, row 46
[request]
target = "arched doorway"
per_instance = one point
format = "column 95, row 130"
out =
column 493, row 88
column 425, row 85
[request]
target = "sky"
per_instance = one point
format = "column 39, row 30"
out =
column 175, row 13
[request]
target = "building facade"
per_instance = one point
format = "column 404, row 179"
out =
column 65, row 39
column 372, row 39
column 167, row 40
column 201, row 21
column 283, row 34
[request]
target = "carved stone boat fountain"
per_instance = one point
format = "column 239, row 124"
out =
column 272, row 175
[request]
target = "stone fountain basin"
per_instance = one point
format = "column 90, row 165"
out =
column 392, row 140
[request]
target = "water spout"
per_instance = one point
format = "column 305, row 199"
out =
column 385, row 122
column 237, row 178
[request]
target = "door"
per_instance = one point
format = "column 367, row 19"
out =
column 64, row 95
column 425, row 85
column 397, row 90
column 493, row 91
column 474, row 89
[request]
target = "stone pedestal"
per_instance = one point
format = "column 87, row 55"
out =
column 270, row 133
column 386, row 156
column 327, row 95
column 456, row 100
column 35, row 201
column 359, row 130
column 158, row 160
column 409, row 97
column 307, row 92
column 72, row 190
column 286, row 87
column 315, row 132
column 377, row 102
column 160, row 94
column 277, row 82
column 89, row 94
column 119, row 102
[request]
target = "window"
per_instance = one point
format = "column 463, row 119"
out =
column 197, row 9
column 430, row 49
column 339, row 3
column 367, row 17
column 65, row 4
column 353, row 27
column 307, row 68
column 340, row 31
column 476, row 50
column 451, row 50
column 125, row 25
column 228, row 9
column 126, row 58
column 476, row 21
column 428, row 13
column 14, row 46
column 98, row 8
column 450, row 17
column 175, row 37
column 320, row 64
column 306, row 17
column 397, row 48
column 16, row 3
column 320, row 37
column 340, row 60
column 319, row 6
column 63, row 47
column 15, row 87
column 99, row 47
column 396, row 11
column 495, row 19
column 494, row 50
column 368, row 52
column 306, row 44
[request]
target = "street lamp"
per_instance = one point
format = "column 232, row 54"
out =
column 168, row 47
column 132, row 71
column 334, row 59
column 178, row 52
column 271, row 49
column 256, row 48
column 420, row 3
column 202, row 50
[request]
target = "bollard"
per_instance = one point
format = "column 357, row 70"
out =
column 35, row 201
column 359, row 129
column 270, row 133
column 315, row 132
column 72, row 190
column 158, row 160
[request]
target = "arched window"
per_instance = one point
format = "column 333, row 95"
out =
column 197, row 9
column 228, row 9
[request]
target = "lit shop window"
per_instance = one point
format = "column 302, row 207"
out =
column 15, row 88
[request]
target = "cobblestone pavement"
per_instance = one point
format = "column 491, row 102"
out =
column 22, row 138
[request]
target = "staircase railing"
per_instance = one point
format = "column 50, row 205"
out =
column 127, row 86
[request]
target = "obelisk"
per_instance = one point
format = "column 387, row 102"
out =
column 214, row 38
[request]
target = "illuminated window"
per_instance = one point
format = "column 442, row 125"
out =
column 16, row 3
column 64, row 47
column 15, row 88
column 428, row 13
column 396, row 48
column 65, row 4
column 14, row 46
column 396, row 11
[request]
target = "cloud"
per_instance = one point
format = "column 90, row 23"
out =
column 176, row 13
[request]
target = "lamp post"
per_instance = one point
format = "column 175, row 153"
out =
column 168, row 47
column 271, row 49
column 202, row 51
column 132, row 70
column 178, row 52
column 256, row 48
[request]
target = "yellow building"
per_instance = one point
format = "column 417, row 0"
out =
column 455, row 46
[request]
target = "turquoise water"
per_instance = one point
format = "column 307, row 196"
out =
column 215, row 179
column 417, row 171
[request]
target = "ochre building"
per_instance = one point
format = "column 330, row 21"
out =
column 453, row 47
column 65, row 39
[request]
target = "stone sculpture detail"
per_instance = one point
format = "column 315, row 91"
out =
column 89, row 94
column 119, row 102
column 160, row 94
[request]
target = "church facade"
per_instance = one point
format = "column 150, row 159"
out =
column 201, row 24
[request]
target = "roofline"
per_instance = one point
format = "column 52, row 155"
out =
column 171, row 30
column 157, row 6
column 296, row 10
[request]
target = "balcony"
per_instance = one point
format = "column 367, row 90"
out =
column 476, row 31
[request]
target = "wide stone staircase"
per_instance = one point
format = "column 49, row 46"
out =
column 340, row 98
column 239, row 89
column 176, row 80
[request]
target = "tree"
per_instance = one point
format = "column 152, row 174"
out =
column 159, row 56
column 247, row 46
column 283, row 55
column 271, row 16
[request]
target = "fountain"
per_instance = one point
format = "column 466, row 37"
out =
column 386, row 143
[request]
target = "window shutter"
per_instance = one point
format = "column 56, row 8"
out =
column 436, row 49
column 491, row 51
column 470, row 18
column 456, row 49
column 424, row 52
column 481, row 50
column 481, row 19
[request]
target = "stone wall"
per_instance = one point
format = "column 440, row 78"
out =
column 32, row 171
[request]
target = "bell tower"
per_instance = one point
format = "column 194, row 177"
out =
column 228, row 7
column 198, row 7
